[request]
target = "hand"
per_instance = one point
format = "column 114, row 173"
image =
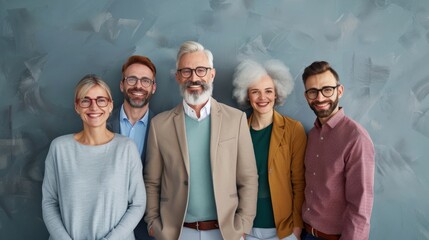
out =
column 297, row 232
column 151, row 233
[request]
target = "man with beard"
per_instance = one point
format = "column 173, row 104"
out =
column 133, row 118
column 201, row 177
column 339, row 164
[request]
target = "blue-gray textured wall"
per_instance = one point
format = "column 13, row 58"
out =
column 379, row 47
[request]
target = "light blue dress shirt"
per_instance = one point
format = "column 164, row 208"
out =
column 136, row 132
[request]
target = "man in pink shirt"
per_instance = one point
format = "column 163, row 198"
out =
column 339, row 164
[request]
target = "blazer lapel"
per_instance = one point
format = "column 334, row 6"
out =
column 276, row 135
column 179, row 125
column 143, row 156
column 216, row 122
column 113, row 123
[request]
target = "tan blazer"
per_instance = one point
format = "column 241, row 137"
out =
column 286, row 172
column 234, row 173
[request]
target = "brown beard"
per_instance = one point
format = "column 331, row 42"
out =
column 325, row 113
column 144, row 100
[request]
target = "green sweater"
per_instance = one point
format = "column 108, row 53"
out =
column 201, row 203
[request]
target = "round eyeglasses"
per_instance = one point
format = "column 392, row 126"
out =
column 327, row 91
column 132, row 80
column 86, row 102
column 199, row 71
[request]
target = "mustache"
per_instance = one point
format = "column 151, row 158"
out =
column 137, row 89
column 189, row 83
column 318, row 102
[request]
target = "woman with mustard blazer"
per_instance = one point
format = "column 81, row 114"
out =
column 279, row 144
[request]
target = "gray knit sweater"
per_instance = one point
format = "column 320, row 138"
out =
column 93, row 192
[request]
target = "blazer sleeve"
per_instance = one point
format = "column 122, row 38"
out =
column 152, row 178
column 299, row 142
column 247, row 176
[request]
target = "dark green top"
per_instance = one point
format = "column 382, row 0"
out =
column 261, row 145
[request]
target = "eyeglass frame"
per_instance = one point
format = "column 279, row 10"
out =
column 144, row 81
column 78, row 101
column 321, row 91
column 194, row 70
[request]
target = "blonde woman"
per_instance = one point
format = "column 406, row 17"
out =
column 93, row 185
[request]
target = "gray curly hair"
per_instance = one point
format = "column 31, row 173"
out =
column 250, row 71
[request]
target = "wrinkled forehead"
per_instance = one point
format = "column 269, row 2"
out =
column 193, row 60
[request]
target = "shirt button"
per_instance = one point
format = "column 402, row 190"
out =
column 314, row 173
column 317, row 155
column 308, row 209
column 311, row 191
column 321, row 138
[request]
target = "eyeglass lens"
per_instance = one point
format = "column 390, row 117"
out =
column 326, row 92
column 145, row 82
column 199, row 71
column 87, row 102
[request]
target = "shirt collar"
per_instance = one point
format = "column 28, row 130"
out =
column 144, row 119
column 205, row 111
column 333, row 121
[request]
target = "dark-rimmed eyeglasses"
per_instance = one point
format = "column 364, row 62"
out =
column 199, row 71
column 132, row 80
column 86, row 102
column 327, row 91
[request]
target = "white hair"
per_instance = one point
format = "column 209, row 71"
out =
column 250, row 71
column 191, row 47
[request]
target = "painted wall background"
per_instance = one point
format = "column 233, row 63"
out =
column 380, row 49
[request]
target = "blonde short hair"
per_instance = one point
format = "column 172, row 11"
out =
column 87, row 82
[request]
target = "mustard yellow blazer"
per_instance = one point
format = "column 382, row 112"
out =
column 286, row 172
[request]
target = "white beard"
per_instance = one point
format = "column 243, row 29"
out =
column 197, row 99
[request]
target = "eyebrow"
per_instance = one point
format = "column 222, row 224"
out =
column 96, row 97
column 250, row 89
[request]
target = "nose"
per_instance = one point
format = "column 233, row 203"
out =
column 139, row 83
column 194, row 77
column 320, row 96
column 93, row 104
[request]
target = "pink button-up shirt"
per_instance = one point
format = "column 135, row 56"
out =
column 339, row 176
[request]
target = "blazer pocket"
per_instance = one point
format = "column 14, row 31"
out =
column 223, row 141
column 234, row 195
